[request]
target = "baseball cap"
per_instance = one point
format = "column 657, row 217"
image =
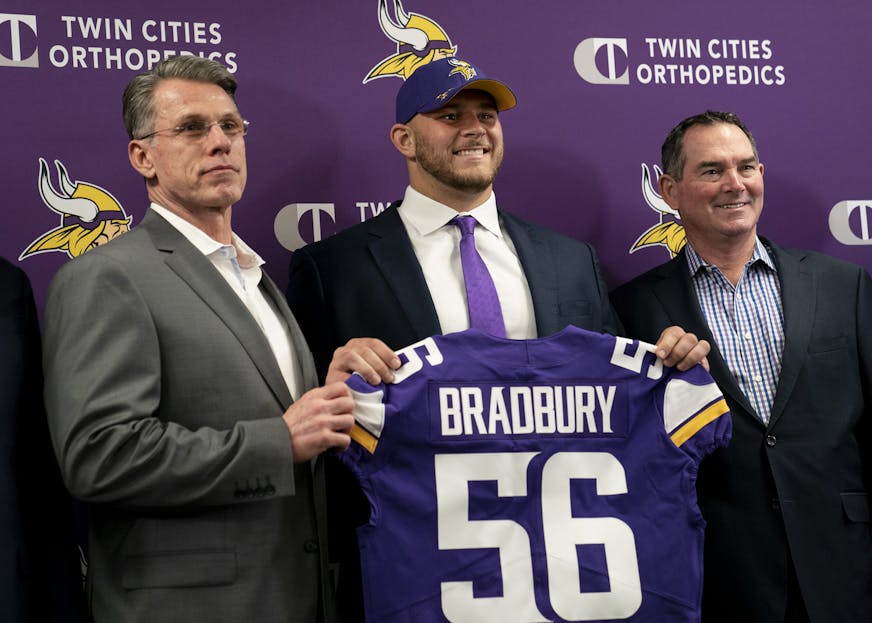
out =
column 432, row 86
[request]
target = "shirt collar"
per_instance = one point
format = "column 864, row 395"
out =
column 427, row 215
column 695, row 263
column 207, row 245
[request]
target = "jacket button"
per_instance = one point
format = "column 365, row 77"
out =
column 771, row 440
column 310, row 546
column 776, row 505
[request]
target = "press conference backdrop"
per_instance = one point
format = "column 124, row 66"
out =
column 599, row 84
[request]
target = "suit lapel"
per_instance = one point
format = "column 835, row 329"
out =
column 540, row 270
column 797, row 282
column 198, row 272
column 298, row 341
column 676, row 294
column 392, row 253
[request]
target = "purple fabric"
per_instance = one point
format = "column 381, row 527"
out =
column 481, row 294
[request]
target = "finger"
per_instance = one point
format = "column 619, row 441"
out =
column 379, row 365
column 694, row 356
column 366, row 362
column 667, row 341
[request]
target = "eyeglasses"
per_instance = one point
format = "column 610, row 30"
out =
column 196, row 130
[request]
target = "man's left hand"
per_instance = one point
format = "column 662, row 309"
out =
column 676, row 347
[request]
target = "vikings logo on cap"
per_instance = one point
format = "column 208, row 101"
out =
column 90, row 215
column 419, row 39
column 433, row 85
column 667, row 232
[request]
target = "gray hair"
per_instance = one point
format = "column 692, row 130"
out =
column 138, row 100
column 672, row 156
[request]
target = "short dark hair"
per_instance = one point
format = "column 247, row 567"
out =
column 672, row 156
column 137, row 103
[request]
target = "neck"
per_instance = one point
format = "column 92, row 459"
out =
column 214, row 222
column 456, row 198
column 729, row 255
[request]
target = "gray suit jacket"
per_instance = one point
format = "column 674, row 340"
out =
column 798, row 487
column 164, row 402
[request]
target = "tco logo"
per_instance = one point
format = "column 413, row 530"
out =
column 21, row 44
column 847, row 217
column 613, row 56
column 287, row 223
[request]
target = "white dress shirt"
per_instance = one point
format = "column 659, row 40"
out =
column 436, row 244
column 240, row 266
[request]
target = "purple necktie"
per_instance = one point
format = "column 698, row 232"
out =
column 481, row 295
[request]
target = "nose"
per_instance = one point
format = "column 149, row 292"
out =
column 217, row 139
column 472, row 125
column 733, row 181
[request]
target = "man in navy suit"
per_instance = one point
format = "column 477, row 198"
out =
column 397, row 278
column 39, row 576
column 787, row 506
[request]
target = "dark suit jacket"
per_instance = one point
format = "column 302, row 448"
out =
column 366, row 282
column 40, row 579
column 165, row 405
column 798, row 487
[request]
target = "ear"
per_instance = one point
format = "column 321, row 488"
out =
column 403, row 138
column 139, row 153
column 669, row 190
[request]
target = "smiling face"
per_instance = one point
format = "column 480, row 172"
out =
column 186, row 174
column 454, row 153
column 720, row 193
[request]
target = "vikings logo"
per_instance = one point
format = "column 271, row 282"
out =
column 667, row 233
column 90, row 215
column 419, row 41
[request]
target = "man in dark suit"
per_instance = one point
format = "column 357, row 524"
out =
column 787, row 505
column 397, row 278
column 178, row 386
column 39, row 572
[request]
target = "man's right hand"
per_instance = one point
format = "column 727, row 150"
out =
column 321, row 419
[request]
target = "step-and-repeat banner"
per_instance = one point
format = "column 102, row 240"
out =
column 599, row 84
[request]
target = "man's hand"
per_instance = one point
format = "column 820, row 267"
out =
column 319, row 420
column 681, row 349
column 369, row 357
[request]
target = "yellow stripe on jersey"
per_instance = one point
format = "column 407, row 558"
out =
column 693, row 425
column 364, row 438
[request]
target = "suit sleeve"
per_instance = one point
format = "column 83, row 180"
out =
column 116, row 437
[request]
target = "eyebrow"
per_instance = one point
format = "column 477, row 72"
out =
column 719, row 163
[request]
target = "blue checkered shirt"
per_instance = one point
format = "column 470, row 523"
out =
column 746, row 321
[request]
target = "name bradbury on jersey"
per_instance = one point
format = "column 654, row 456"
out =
column 511, row 410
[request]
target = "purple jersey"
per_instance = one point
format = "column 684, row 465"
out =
column 537, row 480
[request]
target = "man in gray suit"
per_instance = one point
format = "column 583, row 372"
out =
column 787, row 504
column 176, row 387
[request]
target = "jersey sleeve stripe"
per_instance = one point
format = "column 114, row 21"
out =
column 364, row 438
column 695, row 424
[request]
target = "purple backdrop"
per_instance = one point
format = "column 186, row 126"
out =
column 599, row 84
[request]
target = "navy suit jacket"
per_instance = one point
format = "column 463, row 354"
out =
column 799, row 486
column 366, row 282
column 39, row 576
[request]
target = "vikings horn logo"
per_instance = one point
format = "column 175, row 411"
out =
column 667, row 233
column 90, row 215
column 419, row 41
